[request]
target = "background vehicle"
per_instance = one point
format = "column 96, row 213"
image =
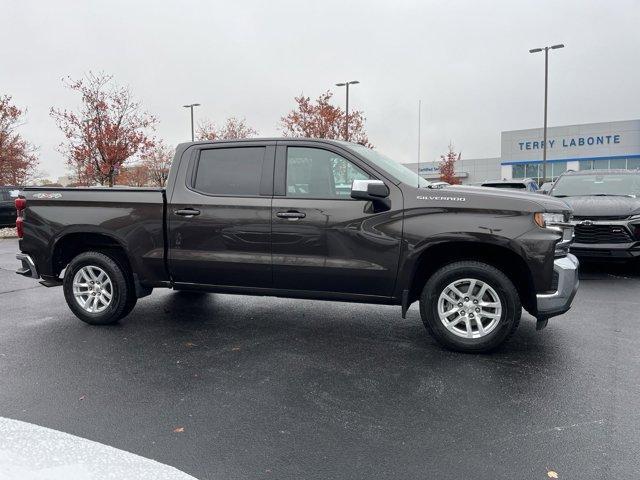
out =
column 526, row 184
column 439, row 184
column 545, row 188
column 272, row 217
column 606, row 207
column 7, row 206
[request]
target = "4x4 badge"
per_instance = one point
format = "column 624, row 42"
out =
column 47, row 195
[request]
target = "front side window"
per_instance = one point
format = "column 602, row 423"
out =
column 319, row 173
column 230, row 171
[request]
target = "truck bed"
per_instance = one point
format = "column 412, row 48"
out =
column 133, row 218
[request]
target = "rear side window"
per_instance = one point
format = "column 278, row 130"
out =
column 230, row 171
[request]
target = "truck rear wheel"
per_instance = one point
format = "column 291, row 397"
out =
column 96, row 289
column 470, row 306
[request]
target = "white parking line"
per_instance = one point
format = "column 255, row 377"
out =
column 31, row 452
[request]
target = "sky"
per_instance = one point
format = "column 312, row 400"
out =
column 467, row 61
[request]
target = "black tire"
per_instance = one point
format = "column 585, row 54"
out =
column 131, row 303
column 123, row 297
column 511, row 308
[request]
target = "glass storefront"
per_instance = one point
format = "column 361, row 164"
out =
column 610, row 163
column 555, row 168
column 534, row 170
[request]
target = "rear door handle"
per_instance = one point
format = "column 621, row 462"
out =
column 291, row 215
column 187, row 212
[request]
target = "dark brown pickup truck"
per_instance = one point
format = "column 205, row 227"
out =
column 304, row 218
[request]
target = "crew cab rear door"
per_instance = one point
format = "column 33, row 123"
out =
column 323, row 240
column 220, row 215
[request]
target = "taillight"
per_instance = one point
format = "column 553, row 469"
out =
column 21, row 204
column 20, row 227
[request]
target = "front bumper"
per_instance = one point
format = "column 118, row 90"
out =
column 612, row 251
column 556, row 303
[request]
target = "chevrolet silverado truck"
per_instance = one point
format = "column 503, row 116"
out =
column 606, row 212
column 304, row 218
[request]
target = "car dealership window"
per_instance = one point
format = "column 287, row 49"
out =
column 618, row 163
column 319, row 173
column 230, row 171
column 534, row 170
column 633, row 163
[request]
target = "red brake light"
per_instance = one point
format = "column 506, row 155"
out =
column 21, row 204
column 20, row 227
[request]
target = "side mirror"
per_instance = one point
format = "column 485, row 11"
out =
column 369, row 190
column 374, row 191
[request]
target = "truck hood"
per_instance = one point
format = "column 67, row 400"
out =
column 597, row 206
column 526, row 201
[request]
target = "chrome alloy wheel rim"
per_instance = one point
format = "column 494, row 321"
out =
column 92, row 289
column 469, row 308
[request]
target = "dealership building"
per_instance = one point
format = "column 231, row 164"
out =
column 607, row 145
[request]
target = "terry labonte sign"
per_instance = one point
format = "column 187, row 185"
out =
column 573, row 141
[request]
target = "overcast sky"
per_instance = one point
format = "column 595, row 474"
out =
column 467, row 60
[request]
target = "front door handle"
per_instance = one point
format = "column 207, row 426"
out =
column 187, row 212
column 291, row 215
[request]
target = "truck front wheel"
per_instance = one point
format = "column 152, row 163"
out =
column 470, row 306
column 96, row 289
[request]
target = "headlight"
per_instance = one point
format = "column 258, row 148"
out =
column 549, row 220
column 557, row 222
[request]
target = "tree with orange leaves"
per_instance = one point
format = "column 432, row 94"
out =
column 109, row 129
column 320, row 119
column 134, row 175
column 18, row 159
column 158, row 163
column 447, row 166
column 233, row 129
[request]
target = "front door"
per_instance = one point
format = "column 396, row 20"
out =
column 220, row 224
column 323, row 240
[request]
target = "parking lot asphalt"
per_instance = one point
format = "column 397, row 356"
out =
column 230, row 387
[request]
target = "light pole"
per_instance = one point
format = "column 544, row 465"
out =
column 190, row 106
column 546, row 88
column 346, row 119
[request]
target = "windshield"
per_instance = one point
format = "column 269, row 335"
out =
column 386, row 164
column 597, row 184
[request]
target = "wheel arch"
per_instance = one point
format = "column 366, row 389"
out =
column 72, row 243
column 433, row 257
